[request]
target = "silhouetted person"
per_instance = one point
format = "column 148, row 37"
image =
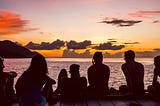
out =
column 156, row 70
column 30, row 83
column 134, row 74
column 61, row 76
column 98, row 76
column 155, row 87
column 47, row 91
column 6, row 85
column 74, row 87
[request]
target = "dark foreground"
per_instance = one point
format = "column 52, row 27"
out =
column 109, row 101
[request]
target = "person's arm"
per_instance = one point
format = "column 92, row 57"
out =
column 89, row 77
column 155, row 77
column 108, row 74
column 47, row 90
column 3, row 83
column 124, row 72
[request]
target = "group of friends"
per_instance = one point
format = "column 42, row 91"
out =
column 34, row 86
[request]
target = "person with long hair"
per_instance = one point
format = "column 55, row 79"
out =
column 98, row 76
column 30, row 83
column 62, row 75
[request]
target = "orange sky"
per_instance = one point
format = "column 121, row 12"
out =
column 113, row 25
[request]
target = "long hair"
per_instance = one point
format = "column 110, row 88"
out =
column 63, row 73
column 38, row 68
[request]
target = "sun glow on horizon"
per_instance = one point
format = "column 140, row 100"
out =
column 50, row 53
column 110, row 30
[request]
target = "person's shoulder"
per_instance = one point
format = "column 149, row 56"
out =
column 123, row 65
column 105, row 66
column 65, row 80
column 139, row 64
column 91, row 68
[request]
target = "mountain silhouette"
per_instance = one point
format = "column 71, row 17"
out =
column 9, row 49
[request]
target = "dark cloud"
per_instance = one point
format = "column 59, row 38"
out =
column 156, row 21
column 147, row 53
column 44, row 33
column 71, row 53
column 156, row 49
column 131, row 43
column 144, row 54
column 12, row 23
column 78, row 45
column 45, row 45
column 17, row 43
column 108, row 46
column 112, row 40
column 119, row 22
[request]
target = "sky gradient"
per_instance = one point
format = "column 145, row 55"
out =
column 108, row 25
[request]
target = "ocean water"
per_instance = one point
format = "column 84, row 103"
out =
column 56, row 64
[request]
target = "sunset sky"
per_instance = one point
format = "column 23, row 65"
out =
column 83, row 25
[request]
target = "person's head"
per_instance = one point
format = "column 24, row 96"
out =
column 129, row 55
column 74, row 71
column 63, row 73
column 157, row 61
column 97, row 57
column 1, row 64
column 38, row 66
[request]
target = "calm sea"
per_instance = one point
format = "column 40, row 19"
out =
column 56, row 64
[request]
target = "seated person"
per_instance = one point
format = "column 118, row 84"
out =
column 6, row 84
column 30, row 84
column 156, row 70
column 134, row 74
column 61, row 76
column 155, row 87
column 74, row 88
column 47, row 90
column 98, row 77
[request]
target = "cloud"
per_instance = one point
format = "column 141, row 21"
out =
column 78, row 45
column 119, row 22
column 11, row 23
column 71, row 53
column 145, row 14
column 157, row 49
column 131, row 43
column 45, row 45
column 152, row 54
column 156, row 21
column 112, row 40
column 108, row 46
